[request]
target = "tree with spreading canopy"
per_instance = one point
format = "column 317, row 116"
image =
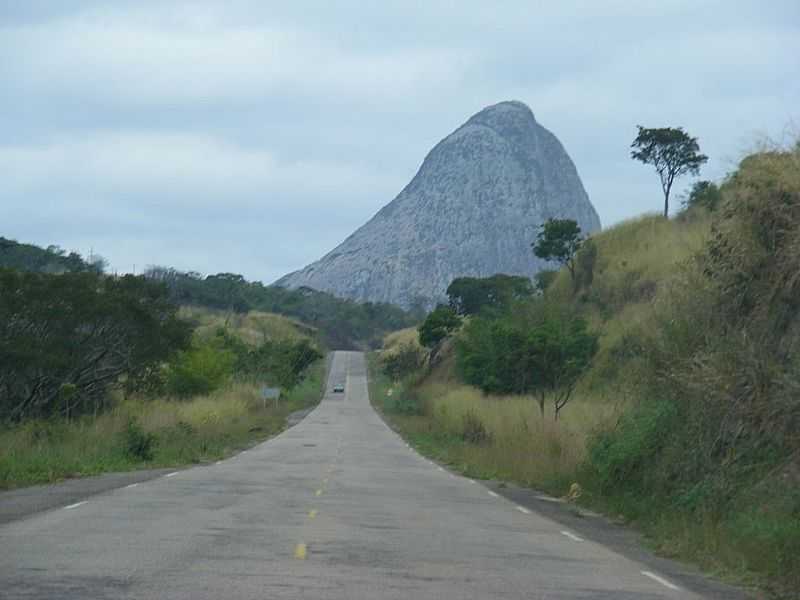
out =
column 471, row 295
column 672, row 152
column 442, row 321
column 559, row 240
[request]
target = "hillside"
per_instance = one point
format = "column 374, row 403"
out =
column 685, row 423
column 472, row 209
column 28, row 257
column 339, row 323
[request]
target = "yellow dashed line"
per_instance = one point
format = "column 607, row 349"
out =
column 300, row 551
column 312, row 514
column 318, row 493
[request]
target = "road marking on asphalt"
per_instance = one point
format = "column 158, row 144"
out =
column 318, row 493
column 523, row 510
column 76, row 505
column 572, row 536
column 312, row 514
column 172, row 474
column 470, row 481
column 661, row 580
column 325, row 481
column 440, row 468
column 493, row 495
column 548, row 498
column 133, row 485
column 219, row 462
column 300, row 551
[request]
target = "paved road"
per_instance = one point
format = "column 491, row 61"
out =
column 336, row 507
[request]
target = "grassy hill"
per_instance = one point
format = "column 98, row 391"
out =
column 686, row 422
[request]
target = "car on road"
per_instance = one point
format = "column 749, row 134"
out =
column 338, row 389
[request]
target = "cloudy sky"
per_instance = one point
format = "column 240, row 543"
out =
column 253, row 136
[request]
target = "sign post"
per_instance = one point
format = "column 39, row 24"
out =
column 268, row 393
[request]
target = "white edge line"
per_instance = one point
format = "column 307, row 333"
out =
column 172, row 474
column 219, row 462
column 132, row 485
column 548, row 499
column 572, row 536
column 76, row 505
column 523, row 510
column 492, row 494
column 661, row 580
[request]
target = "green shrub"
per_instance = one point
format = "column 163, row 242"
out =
column 200, row 370
column 622, row 457
column 137, row 443
column 403, row 361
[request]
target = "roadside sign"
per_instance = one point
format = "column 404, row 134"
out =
column 270, row 393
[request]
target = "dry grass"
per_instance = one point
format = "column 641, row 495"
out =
column 521, row 446
column 399, row 338
column 254, row 327
column 202, row 429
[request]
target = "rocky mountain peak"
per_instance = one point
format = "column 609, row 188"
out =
column 472, row 209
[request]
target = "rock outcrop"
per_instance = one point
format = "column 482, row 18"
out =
column 472, row 209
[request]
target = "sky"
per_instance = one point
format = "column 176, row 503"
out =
column 254, row 136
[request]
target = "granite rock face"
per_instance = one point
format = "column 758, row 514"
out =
column 472, row 209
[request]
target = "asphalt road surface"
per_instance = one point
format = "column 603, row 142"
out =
column 336, row 507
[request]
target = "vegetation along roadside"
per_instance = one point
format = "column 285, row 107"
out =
column 668, row 350
column 101, row 374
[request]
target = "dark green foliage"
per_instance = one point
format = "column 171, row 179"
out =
column 558, row 240
column 27, row 257
column 137, row 443
column 704, row 194
column 404, row 361
column 442, row 321
column 210, row 363
column 539, row 348
column 471, row 295
column 343, row 324
column 672, row 152
column 624, row 457
column 65, row 340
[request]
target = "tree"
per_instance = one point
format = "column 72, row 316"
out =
column 672, row 152
column 541, row 349
column 442, row 321
column 559, row 240
column 705, row 194
column 562, row 350
column 65, row 340
column 470, row 295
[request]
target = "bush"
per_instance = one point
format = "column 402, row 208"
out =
column 137, row 443
column 403, row 361
column 200, row 370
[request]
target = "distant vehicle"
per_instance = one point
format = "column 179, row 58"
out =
column 338, row 389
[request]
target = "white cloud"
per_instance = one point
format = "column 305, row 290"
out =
column 155, row 63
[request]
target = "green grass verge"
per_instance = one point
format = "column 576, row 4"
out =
column 166, row 433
